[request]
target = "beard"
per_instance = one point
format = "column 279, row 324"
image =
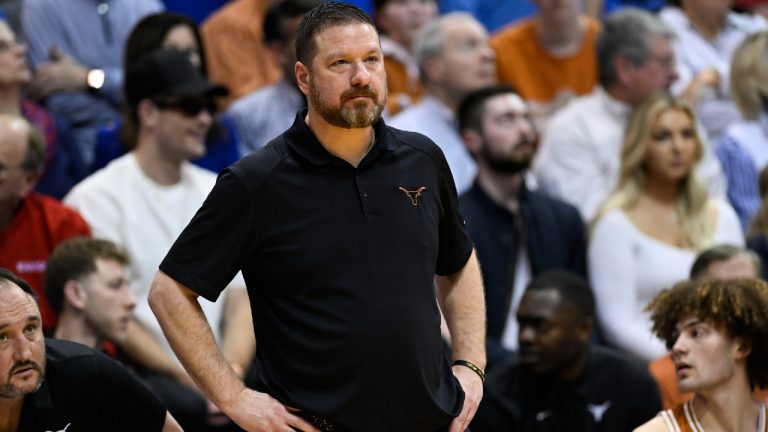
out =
column 358, row 115
column 507, row 164
column 10, row 391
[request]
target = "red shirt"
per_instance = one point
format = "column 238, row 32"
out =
column 40, row 224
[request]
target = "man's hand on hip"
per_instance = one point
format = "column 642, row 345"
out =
column 473, row 393
column 259, row 412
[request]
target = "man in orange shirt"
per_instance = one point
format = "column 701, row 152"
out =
column 549, row 57
column 235, row 49
column 31, row 225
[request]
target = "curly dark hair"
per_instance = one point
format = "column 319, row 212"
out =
column 738, row 306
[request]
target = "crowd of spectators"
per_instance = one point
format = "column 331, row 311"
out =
column 614, row 139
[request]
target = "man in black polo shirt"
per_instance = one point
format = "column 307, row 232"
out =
column 54, row 385
column 561, row 382
column 340, row 226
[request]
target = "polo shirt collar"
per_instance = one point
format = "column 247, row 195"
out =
column 41, row 399
column 303, row 141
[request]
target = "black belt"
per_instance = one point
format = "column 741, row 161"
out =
column 320, row 422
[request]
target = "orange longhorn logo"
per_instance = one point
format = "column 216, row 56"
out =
column 413, row 194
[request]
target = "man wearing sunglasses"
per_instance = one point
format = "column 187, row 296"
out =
column 142, row 201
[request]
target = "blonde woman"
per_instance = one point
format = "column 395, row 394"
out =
column 743, row 151
column 647, row 233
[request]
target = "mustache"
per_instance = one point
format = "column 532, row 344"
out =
column 354, row 92
column 29, row 364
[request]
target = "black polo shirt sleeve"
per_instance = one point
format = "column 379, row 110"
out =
column 455, row 245
column 213, row 245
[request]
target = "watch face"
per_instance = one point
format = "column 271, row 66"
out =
column 95, row 78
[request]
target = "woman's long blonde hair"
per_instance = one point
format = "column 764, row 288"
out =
column 692, row 197
column 759, row 223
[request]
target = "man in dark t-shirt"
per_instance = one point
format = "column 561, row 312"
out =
column 561, row 382
column 348, row 234
column 53, row 385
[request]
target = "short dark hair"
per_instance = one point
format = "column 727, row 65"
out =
column 73, row 259
column 573, row 289
column 326, row 15
column 286, row 9
column 738, row 306
column 721, row 253
column 472, row 107
column 7, row 276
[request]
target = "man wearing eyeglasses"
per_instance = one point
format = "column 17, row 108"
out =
column 142, row 201
column 31, row 224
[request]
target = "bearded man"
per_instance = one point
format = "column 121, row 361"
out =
column 518, row 233
column 345, row 230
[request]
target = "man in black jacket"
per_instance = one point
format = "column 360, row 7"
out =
column 517, row 232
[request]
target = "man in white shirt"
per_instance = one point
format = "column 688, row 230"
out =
column 579, row 157
column 142, row 201
column 455, row 58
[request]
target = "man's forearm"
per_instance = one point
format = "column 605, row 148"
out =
column 463, row 305
column 239, row 342
column 191, row 338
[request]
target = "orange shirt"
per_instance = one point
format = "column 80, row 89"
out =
column 404, row 91
column 40, row 224
column 539, row 77
column 234, row 48
column 663, row 371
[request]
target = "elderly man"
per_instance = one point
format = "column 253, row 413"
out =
column 454, row 57
column 31, row 225
column 348, row 234
column 580, row 151
column 48, row 384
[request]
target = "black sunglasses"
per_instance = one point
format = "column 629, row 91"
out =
column 190, row 107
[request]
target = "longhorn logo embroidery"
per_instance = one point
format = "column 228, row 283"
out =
column 598, row 410
column 413, row 194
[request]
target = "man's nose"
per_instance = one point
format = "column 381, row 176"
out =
column 361, row 76
column 22, row 350
column 679, row 346
column 526, row 334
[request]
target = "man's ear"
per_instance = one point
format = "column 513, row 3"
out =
column 472, row 140
column 147, row 113
column 623, row 67
column 584, row 328
column 30, row 181
column 743, row 349
column 433, row 69
column 302, row 77
column 74, row 295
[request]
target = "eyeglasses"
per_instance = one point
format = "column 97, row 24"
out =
column 7, row 44
column 190, row 107
column 5, row 169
